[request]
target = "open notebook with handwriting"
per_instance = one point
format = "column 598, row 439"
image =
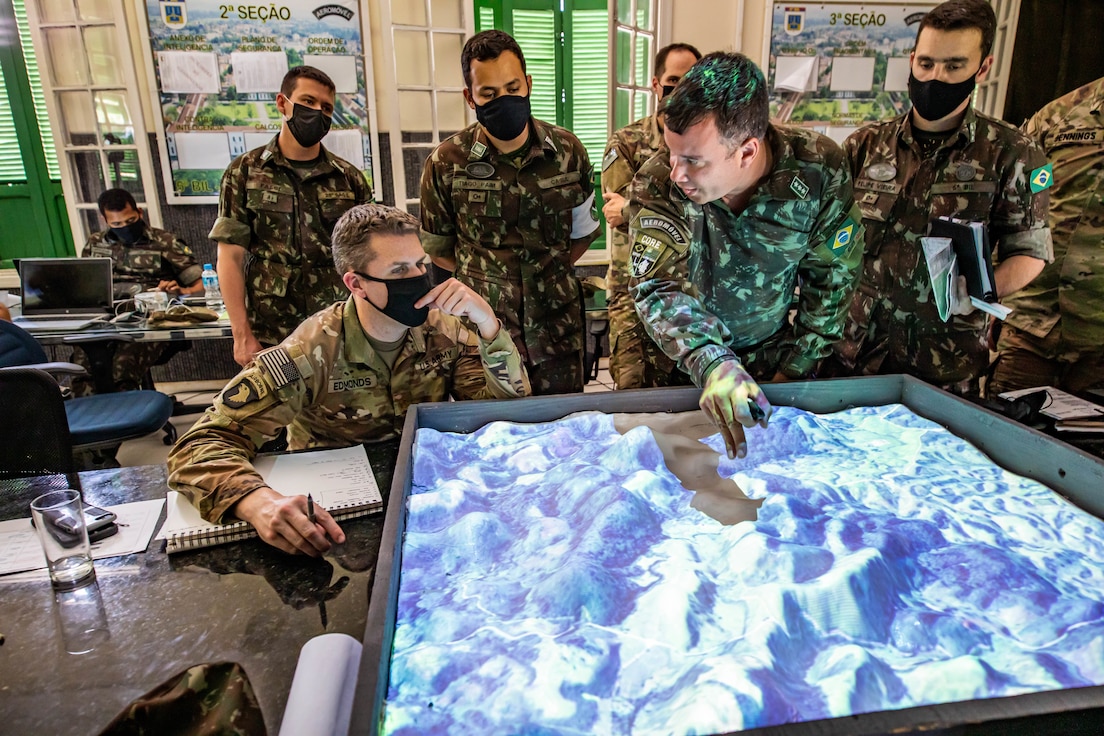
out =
column 340, row 481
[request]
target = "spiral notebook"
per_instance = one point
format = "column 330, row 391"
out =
column 340, row 481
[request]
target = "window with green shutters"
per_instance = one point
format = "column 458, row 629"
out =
column 11, row 158
column 45, row 132
column 566, row 47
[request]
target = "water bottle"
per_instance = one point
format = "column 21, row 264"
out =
column 211, row 288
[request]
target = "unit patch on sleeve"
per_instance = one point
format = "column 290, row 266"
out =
column 1041, row 178
column 653, row 235
column 609, row 158
column 844, row 236
column 245, row 391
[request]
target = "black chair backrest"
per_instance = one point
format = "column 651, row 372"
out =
column 34, row 432
column 18, row 347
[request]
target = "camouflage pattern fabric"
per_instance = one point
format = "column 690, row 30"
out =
column 635, row 360
column 1060, row 315
column 158, row 256
column 1027, row 361
column 711, row 285
column 507, row 220
column 130, row 362
column 983, row 172
column 328, row 386
column 284, row 216
column 214, row 698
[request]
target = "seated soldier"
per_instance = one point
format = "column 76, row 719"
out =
column 142, row 258
column 346, row 375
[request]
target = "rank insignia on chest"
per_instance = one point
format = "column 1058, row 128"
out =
column 1041, row 178
column 480, row 169
column 881, row 171
column 965, row 172
column 844, row 236
column 800, row 188
column 478, row 149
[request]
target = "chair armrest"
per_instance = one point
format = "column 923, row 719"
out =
column 55, row 368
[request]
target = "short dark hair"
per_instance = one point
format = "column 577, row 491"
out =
column 351, row 242
column 661, row 56
column 296, row 73
column 486, row 46
column 957, row 15
column 116, row 200
column 728, row 86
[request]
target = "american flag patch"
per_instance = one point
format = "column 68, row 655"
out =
column 280, row 366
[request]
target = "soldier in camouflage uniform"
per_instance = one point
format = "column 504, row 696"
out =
column 635, row 360
column 508, row 205
column 346, row 375
column 942, row 158
column 213, row 698
column 142, row 258
column 1055, row 336
column 277, row 207
column 724, row 226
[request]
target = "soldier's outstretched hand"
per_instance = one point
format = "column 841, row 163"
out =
column 283, row 522
column 453, row 297
column 733, row 400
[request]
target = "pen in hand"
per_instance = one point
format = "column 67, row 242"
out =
column 757, row 412
column 310, row 509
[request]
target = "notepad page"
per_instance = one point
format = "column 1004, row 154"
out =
column 336, row 479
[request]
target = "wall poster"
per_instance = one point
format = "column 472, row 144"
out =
column 834, row 67
column 218, row 66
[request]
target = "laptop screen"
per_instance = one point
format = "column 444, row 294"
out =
column 65, row 286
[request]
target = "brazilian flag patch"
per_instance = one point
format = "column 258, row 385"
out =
column 844, row 236
column 1041, row 178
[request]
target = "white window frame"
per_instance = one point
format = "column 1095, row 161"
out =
column 992, row 92
column 403, row 198
column 125, row 63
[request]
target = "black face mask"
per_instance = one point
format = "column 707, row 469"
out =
column 307, row 125
column 666, row 89
column 934, row 100
column 504, row 117
column 401, row 295
column 132, row 233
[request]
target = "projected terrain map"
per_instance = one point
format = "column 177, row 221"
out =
column 557, row 580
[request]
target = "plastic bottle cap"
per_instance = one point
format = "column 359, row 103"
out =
column 207, row 267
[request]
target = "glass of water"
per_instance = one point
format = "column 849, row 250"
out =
column 59, row 518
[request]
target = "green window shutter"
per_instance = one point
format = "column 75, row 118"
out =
column 535, row 31
column 11, row 158
column 35, row 80
column 484, row 16
column 588, row 56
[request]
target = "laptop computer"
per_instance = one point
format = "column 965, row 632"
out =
column 64, row 293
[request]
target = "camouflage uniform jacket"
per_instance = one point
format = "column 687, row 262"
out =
column 629, row 148
column 284, row 218
column 981, row 173
column 1070, row 291
column 709, row 283
column 158, row 256
column 328, row 386
column 510, row 228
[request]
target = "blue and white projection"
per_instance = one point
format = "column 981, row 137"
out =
column 556, row 580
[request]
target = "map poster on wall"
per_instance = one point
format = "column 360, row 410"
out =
column 219, row 67
column 834, row 67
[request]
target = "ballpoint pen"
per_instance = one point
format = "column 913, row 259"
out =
column 310, row 508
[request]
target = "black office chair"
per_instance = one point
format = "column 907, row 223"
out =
column 91, row 423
